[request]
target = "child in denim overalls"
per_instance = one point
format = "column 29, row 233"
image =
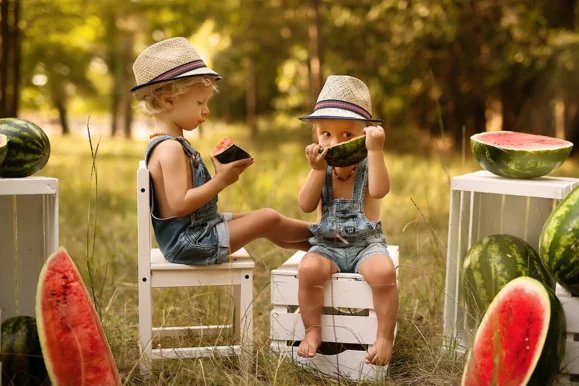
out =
column 174, row 86
column 349, row 236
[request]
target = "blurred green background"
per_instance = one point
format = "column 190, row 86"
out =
column 438, row 72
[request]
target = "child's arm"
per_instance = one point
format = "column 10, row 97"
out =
column 311, row 192
column 182, row 200
column 378, row 179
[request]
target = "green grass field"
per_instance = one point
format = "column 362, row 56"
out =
column 98, row 228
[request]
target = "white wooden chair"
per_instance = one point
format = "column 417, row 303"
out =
column 156, row 272
column 354, row 330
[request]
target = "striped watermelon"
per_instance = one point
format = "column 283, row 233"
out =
column 347, row 153
column 3, row 147
column 489, row 265
column 521, row 340
column 21, row 354
column 227, row 151
column 519, row 155
column 559, row 243
column 28, row 148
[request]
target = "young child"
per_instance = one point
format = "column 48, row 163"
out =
column 174, row 86
column 349, row 236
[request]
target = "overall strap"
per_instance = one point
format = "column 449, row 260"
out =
column 327, row 189
column 361, row 182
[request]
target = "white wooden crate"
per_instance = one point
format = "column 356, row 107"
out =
column 570, row 366
column 356, row 327
column 482, row 204
column 28, row 235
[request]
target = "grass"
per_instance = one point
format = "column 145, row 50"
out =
column 98, row 228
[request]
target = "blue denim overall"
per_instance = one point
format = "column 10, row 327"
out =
column 200, row 238
column 344, row 234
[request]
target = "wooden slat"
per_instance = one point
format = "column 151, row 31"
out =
column 31, row 249
column 239, row 260
column 485, row 182
column 570, row 363
column 335, row 328
column 7, row 259
column 28, row 186
column 162, row 332
column 195, row 352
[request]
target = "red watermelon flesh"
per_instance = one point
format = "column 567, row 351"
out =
column 520, row 338
column 525, row 141
column 74, row 345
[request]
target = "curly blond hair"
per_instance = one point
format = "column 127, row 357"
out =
column 151, row 103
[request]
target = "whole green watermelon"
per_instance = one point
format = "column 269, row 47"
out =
column 559, row 243
column 21, row 353
column 28, row 148
column 489, row 265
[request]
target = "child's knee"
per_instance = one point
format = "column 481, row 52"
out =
column 269, row 216
column 311, row 272
column 381, row 275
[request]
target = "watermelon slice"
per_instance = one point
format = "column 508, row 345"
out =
column 227, row 151
column 521, row 339
column 347, row 153
column 519, row 155
column 3, row 147
column 74, row 345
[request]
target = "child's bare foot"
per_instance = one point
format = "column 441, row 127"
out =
column 380, row 353
column 309, row 345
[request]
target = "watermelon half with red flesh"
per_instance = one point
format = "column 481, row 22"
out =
column 519, row 155
column 521, row 339
column 228, row 151
column 74, row 345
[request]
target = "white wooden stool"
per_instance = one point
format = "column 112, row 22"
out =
column 156, row 272
column 354, row 329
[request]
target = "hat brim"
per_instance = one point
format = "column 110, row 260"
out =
column 143, row 89
column 335, row 113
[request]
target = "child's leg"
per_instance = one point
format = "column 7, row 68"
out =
column 267, row 223
column 380, row 274
column 313, row 272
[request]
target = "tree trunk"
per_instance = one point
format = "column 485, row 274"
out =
column 5, row 34
column 128, row 41
column 251, row 98
column 116, row 67
column 315, row 51
column 17, row 55
column 60, row 105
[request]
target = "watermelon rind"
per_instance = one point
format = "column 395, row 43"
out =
column 20, row 353
column 518, row 163
column 489, row 265
column 559, row 243
column 3, row 147
column 74, row 345
column 545, row 363
column 347, row 153
column 28, row 148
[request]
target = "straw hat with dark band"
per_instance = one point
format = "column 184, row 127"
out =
column 165, row 61
column 343, row 97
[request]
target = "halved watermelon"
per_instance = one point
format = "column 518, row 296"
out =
column 347, row 153
column 74, row 345
column 521, row 339
column 3, row 147
column 512, row 154
column 227, row 151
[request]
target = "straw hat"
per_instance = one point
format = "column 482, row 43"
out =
column 167, row 60
column 343, row 97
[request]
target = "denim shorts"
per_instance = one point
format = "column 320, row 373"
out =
column 203, row 244
column 348, row 259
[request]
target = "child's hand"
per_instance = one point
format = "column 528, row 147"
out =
column 317, row 161
column 374, row 137
column 230, row 172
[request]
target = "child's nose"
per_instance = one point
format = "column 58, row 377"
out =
column 205, row 111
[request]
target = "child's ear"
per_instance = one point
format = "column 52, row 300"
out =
column 167, row 100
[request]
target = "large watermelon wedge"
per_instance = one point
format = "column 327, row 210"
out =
column 347, row 153
column 3, row 147
column 519, row 155
column 521, row 339
column 559, row 243
column 28, row 148
column 227, row 151
column 74, row 345
column 489, row 265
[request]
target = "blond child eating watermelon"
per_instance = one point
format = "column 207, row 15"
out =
column 174, row 86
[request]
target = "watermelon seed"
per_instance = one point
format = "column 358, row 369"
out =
column 53, row 293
